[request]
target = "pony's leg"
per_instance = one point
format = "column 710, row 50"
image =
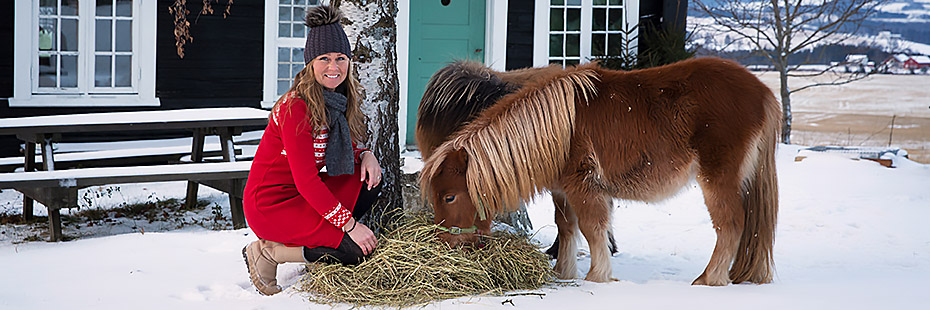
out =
column 593, row 211
column 567, row 222
column 726, row 213
column 553, row 250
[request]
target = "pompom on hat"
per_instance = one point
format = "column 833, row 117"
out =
column 325, row 34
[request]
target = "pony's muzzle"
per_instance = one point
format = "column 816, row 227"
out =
column 455, row 240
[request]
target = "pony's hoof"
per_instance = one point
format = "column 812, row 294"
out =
column 702, row 280
column 600, row 279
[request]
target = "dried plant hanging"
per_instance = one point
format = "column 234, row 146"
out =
column 182, row 34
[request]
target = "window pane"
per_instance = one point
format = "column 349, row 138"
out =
column 104, row 36
column 283, row 54
column 556, row 20
column 124, row 8
column 69, row 7
column 599, row 22
column 574, row 2
column 295, row 68
column 123, row 71
column 283, row 86
column 102, row 75
column 123, row 36
column 299, row 30
column 284, row 30
column 297, row 55
column 616, row 2
column 284, row 1
column 555, row 45
column 284, row 71
column 597, row 44
column 47, row 34
column 299, row 14
column 573, row 20
column 572, row 45
column 104, row 8
column 48, row 66
column 69, row 71
column 614, row 44
column 615, row 19
column 48, row 7
column 556, row 62
column 284, row 14
column 571, row 62
column 600, row 2
column 69, row 35
column 300, row 2
column 558, row 2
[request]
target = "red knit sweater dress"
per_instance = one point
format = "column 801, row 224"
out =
column 287, row 199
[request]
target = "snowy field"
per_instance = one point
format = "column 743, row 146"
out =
column 851, row 235
column 865, row 113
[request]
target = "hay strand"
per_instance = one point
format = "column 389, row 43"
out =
column 411, row 266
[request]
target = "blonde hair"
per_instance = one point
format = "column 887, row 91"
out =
column 310, row 91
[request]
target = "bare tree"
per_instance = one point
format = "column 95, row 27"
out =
column 373, row 34
column 778, row 29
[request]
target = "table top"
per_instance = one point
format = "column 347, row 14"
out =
column 140, row 120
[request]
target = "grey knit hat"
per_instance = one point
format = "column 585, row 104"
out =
column 324, row 33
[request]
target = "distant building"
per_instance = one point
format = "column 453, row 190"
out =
column 858, row 63
column 906, row 64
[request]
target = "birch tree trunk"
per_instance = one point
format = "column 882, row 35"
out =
column 372, row 31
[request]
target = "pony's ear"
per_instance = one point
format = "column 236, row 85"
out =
column 456, row 161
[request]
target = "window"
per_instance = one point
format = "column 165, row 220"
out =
column 577, row 31
column 285, row 36
column 84, row 53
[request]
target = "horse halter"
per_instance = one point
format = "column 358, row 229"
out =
column 455, row 230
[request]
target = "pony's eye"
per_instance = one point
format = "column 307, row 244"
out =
column 449, row 198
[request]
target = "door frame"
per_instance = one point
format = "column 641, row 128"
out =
column 495, row 52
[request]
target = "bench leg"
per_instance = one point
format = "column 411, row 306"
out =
column 29, row 165
column 235, row 204
column 196, row 156
column 54, row 225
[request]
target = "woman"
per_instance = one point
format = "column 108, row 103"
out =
column 298, row 212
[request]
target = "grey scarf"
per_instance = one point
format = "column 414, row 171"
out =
column 339, row 159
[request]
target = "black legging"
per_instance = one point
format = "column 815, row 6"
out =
column 348, row 252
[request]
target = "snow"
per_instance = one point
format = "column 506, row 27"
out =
column 851, row 235
column 183, row 115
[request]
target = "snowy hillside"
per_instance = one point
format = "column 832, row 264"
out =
column 899, row 26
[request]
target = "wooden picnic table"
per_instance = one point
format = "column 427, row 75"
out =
column 45, row 131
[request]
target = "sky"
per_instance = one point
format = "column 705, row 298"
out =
column 852, row 234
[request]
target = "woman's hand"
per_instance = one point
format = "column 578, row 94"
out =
column 361, row 235
column 370, row 169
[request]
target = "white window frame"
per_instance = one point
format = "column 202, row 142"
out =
column 271, row 44
column 541, row 29
column 25, row 61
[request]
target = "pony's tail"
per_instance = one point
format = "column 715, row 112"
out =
column 754, row 261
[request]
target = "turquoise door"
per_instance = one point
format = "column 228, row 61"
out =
column 440, row 31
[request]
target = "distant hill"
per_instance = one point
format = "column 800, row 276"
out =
column 900, row 26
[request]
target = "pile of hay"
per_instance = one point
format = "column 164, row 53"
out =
column 412, row 266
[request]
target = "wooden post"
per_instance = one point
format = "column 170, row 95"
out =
column 196, row 156
column 29, row 165
column 235, row 185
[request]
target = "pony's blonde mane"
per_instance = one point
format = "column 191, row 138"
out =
column 519, row 145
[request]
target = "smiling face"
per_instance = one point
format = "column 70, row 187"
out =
column 330, row 69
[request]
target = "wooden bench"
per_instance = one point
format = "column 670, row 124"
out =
column 57, row 189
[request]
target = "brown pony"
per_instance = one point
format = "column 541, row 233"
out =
column 459, row 91
column 589, row 134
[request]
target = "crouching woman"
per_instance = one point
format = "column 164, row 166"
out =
column 299, row 212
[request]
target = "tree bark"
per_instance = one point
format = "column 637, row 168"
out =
column 373, row 34
column 785, row 93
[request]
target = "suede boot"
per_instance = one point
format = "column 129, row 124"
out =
column 262, row 258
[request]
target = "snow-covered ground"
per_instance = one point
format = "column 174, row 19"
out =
column 851, row 235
